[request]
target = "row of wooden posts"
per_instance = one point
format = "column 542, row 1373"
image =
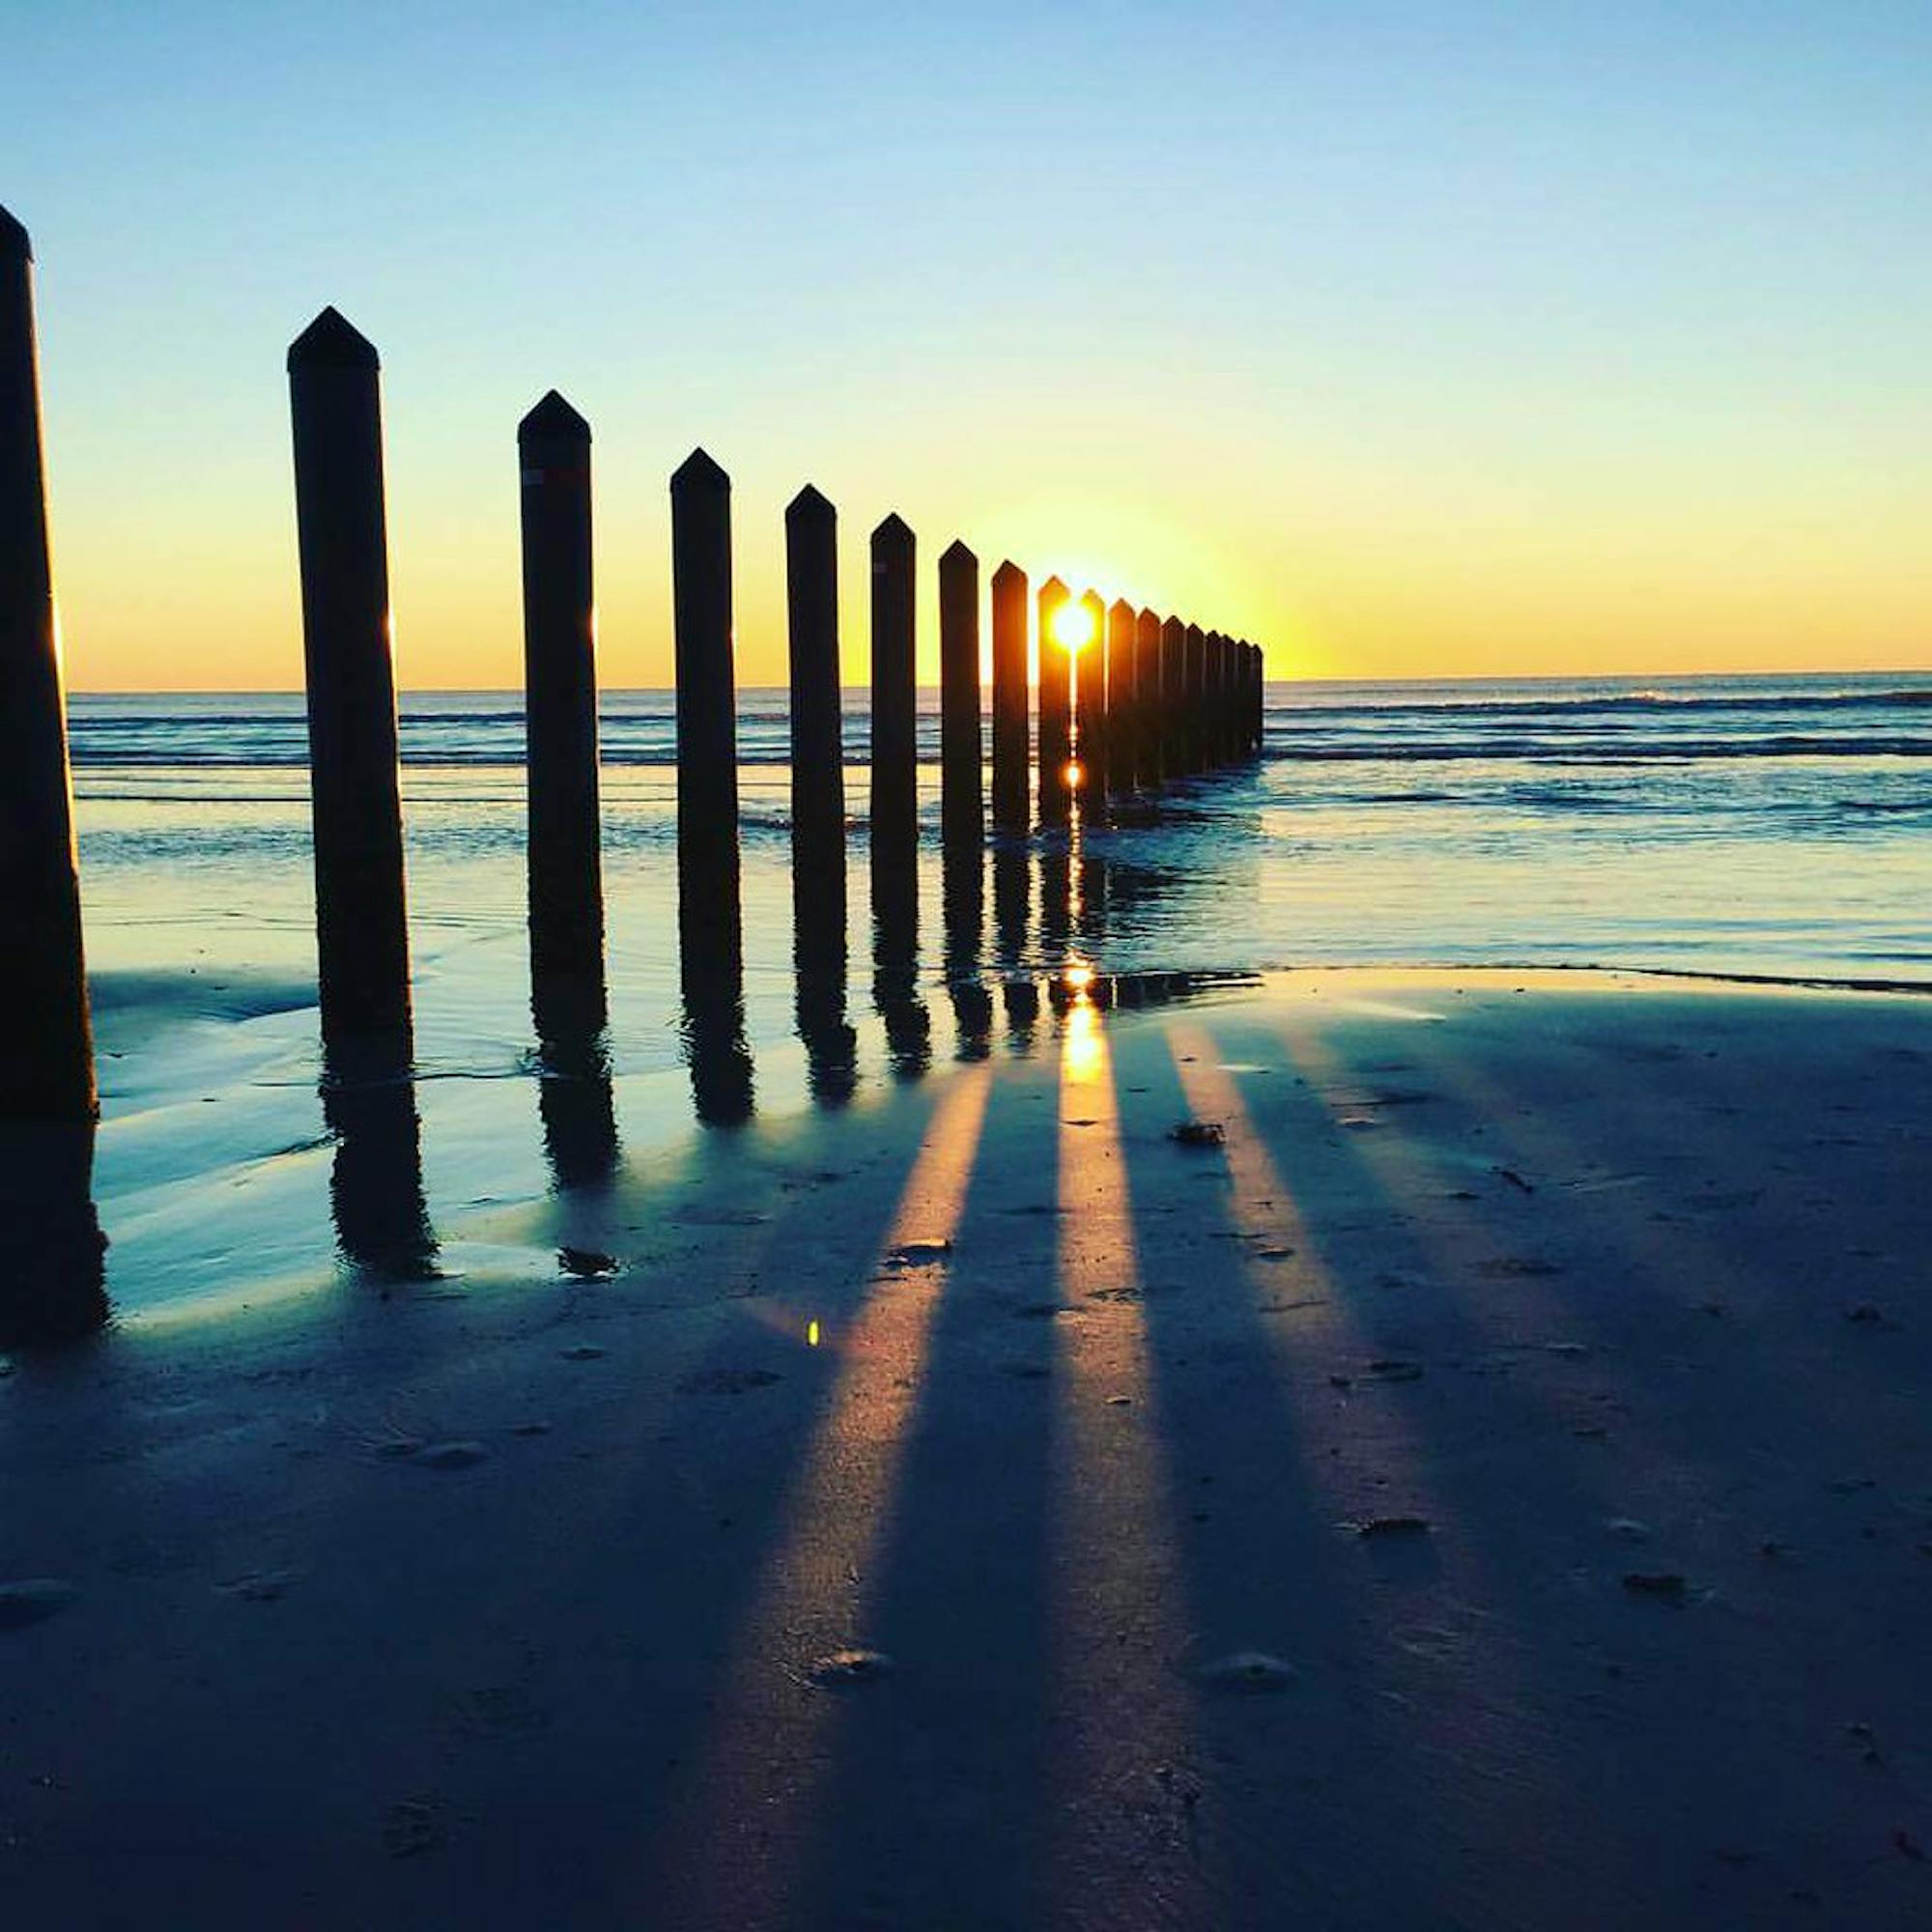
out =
column 1147, row 699
column 1136, row 701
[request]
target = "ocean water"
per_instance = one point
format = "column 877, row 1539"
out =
column 1766, row 825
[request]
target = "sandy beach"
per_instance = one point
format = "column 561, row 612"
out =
column 1482, row 1483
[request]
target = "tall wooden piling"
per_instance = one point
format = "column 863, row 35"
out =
column 1011, row 729
column 1147, row 699
column 962, row 800
column 50, row 1245
column 817, row 728
column 361, row 916
column 1122, row 699
column 1215, row 677
column 566, row 891
column 707, row 710
column 1056, row 708
column 1089, row 713
column 894, row 802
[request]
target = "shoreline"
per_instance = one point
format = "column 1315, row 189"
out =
column 973, row 1506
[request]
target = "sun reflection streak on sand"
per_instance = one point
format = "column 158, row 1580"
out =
column 739, row 1827
column 1122, row 1718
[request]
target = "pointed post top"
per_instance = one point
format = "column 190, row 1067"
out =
column 1009, row 573
column 809, row 504
column 1121, row 610
column 1053, row 591
column 1091, row 600
column 332, row 342
column 958, row 556
column 1150, row 619
column 697, row 471
column 15, row 246
column 553, row 417
column 894, row 530
column 1171, row 627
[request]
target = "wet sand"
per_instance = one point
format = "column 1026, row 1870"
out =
column 1489, row 1485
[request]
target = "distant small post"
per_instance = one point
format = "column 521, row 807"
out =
column 1172, row 698
column 566, row 891
column 1090, row 697
column 1122, row 699
column 50, row 1244
column 361, row 916
column 1056, row 707
column 1147, row 699
column 707, row 709
column 1194, row 675
column 1011, row 707
column 894, row 803
column 817, row 730
column 962, row 800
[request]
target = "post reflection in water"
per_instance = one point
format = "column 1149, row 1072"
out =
column 711, row 970
column 965, row 894
column 1013, row 900
column 52, row 1253
column 376, row 1185
column 818, row 956
column 896, row 972
column 574, row 1097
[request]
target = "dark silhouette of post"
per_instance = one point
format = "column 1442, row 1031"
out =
column 1148, row 770
column 1257, row 700
column 361, row 916
column 1194, row 686
column 1089, row 709
column 817, row 728
column 566, row 889
column 1214, row 676
column 707, row 711
column 376, row 1196
column 894, row 805
column 1056, row 708
column 1012, row 752
column 962, row 806
column 1122, row 699
column 1172, row 698
column 50, row 1244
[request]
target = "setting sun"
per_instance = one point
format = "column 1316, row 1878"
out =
column 1074, row 628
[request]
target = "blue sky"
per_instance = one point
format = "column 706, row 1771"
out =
column 1403, row 337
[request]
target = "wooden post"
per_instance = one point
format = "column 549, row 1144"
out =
column 707, row 709
column 1056, row 708
column 1215, row 678
column 1172, row 699
column 361, row 916
column 50, row 1244
column 1012, row 752
column 1089, row 723
column 566, row 890
column 894, row 805
column 1194, row 705
column 1122, row 699
column 962, row 802
column 1148, row 700
column 1257, row 700
column 817, row 727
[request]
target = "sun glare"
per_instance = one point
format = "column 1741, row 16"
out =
column 1074, row 628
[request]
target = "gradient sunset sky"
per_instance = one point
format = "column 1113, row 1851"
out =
column 1405, row 339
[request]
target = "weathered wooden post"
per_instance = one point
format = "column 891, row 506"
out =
column 1257, row 699
column 708, row 708
column 1089, row 718
column 1012, row 752
column 566, row 890
column 1056, row 707
column 1172, row 698
column 894, row 802
column 1215, row 678
column 1122, row 699
column 962, row 800
column 1194, row 684
column 361, row 918
column 817, row 727
column 1148, row 700
column 50, row 1245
